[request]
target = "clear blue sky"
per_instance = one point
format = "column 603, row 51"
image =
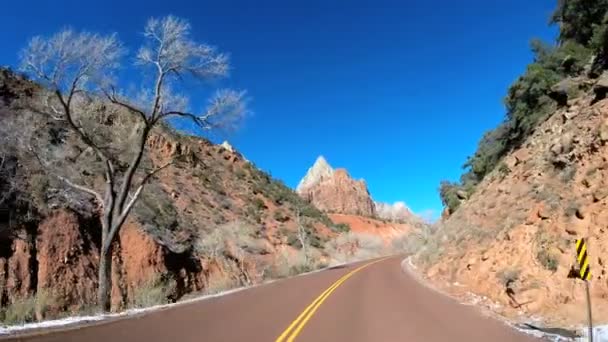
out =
column 397, row 92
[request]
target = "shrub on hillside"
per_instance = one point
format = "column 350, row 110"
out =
column 409, row 243
column 28, row 309
column 154, row 291
column 583, row 33
column 548, row 260
column 341, row 228
column 448, row 191
column 289, row 264
column 349, row 247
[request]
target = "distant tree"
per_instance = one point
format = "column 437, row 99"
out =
column 448, row 191
column 303, row 237
column 577, row 19
column 75, row 65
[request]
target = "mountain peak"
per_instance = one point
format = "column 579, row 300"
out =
column 317, row 172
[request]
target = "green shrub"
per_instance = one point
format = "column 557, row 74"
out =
column 583, row 32
column 548, row 260
column 280, row 216
column 448, row 193
column 341, row 228
column 26, row 309
column 258, row 204
column 504, row 170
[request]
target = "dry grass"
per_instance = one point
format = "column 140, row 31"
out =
column 350, row 247
column 27, row 309
column 409, row 243
column 289, row 264
column 220, row 282
column 155, row 291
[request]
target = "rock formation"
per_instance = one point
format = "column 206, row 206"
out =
column 334, row 191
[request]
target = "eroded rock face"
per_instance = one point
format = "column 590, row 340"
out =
column 67, row 260
column 335, row 191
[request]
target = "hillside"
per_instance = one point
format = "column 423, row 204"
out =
column 208, row 222
column 535, row 184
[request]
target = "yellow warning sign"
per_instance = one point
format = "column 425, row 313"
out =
column 583, row 259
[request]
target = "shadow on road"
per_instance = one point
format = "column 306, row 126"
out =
column 336, row 267
column 554, row 331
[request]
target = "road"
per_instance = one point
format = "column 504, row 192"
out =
column 373, row 301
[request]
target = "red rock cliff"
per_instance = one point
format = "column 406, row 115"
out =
column 335, row 191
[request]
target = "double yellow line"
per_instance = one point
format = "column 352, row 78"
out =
column 298, row 324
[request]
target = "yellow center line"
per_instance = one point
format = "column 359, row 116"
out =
column 294, row 329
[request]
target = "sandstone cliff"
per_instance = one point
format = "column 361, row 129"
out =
column 334, row 191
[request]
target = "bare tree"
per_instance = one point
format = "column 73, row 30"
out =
column 303, row 238
column 73, row 65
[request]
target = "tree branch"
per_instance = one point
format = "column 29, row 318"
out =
column 79, row 130
column 125, row 213
column 112, row 97
column 199, row 121
column 82, row 188
column 128, row 176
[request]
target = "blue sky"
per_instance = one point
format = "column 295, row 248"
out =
column 397, row 92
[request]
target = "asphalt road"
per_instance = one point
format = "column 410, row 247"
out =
column 374, row 301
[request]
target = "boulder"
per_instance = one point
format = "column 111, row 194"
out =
column 601, row 87
column 462, row 195
column 599, row 194
column 560, row 91
column 543, row 213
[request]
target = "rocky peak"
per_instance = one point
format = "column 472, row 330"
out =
column 319, row 171
column 335, row 191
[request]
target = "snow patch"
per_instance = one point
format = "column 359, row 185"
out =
column 600, row 334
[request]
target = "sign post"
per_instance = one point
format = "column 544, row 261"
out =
column 585, row 275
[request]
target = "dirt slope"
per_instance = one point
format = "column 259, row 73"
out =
column 385, row 229
column 513, row 240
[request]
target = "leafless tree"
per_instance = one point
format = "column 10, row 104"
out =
column 303, row 238
column 74, row 65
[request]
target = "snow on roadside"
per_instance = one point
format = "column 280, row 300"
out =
column 83, row 320
column 600, row 334
column 78, row 320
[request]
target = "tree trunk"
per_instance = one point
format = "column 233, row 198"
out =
column 104, row 294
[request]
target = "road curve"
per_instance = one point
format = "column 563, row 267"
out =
column 373, row 301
